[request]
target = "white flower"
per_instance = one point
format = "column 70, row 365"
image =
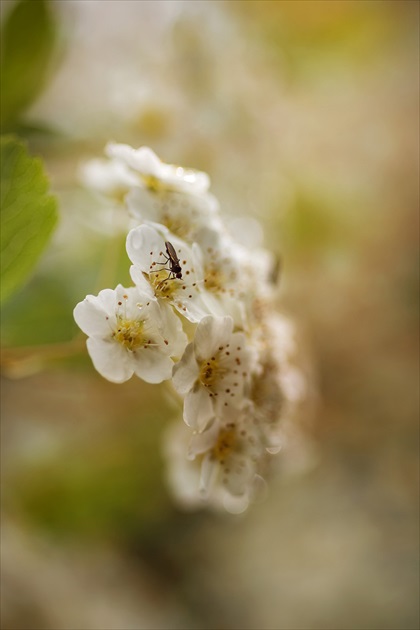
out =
column 257, row 267
column 231, row 450
column 218, row 467
column 108, row 177
column 213, row 371
column 182, row 474
column 184, row 214
column 151, row 271
column 157, row 175
column 129, row 334
column 222, row 281
column 281, row 386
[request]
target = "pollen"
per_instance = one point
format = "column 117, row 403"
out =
column 211, row 372
column 153, row 183
column 129, row 333
column 215, row 279
column 176, row 225
column 225, row 444
column 163, row 285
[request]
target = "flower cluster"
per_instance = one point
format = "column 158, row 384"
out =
column 201, row 314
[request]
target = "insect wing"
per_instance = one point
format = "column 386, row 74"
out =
column 172, row 253
column 173, row 260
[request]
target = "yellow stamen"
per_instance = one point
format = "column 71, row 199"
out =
column 153, row 183
column 163, row 285
column 176, row 225
column 129, row 333
column 210, row 372
column 214, row 279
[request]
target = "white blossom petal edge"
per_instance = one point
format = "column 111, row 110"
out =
column 109, row 177
column 128, row 334
column 213, row 372
column 157, row 175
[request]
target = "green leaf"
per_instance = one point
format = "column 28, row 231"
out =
column 28, row 41
column 28, row 214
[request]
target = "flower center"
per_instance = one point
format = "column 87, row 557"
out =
column 177, row 225
column 119, row 193
column 210, row 372
column 153, row 183
column 225, row 444
column 163, row 285
column 129, row 333
column 214, row 279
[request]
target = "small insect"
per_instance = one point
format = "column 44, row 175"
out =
column 171, row 259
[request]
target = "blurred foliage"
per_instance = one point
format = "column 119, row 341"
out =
column 29, row 38
column 110, row 487
column 43, row 312
column 28, row 214
column 40, row 314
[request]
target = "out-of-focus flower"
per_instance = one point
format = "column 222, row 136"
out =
column 108, row 177
column 213, row 371
column 184, row 214
column 218, row 467
column 280, row 387
column 129, row 334
column 230, row 448
column 223, row 282
column 157, row 175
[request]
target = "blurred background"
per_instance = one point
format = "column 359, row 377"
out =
column 305, row 115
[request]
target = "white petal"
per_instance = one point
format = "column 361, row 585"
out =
column 197, row 259
column 172, row 331
column 109, row 298
column 198, row 408
column 145, row 205
column 214, row 304
column 184, row 214
column 146, row 162
column 140, row 281
column 187, row 178
column 110, row 359
column 235, row 504
column 192, row 309
column 143, row 160
column 212, row 332
column 183, row 475
column 128, row 300
column 202, row 442
column 152, row 315
column 235, row 308
column 144, row 245
column 185, row 372
column 293, row 383
column 92, row 318
column 241, row 473
column 152, row 366
column 209, row 471
column 107, row 176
